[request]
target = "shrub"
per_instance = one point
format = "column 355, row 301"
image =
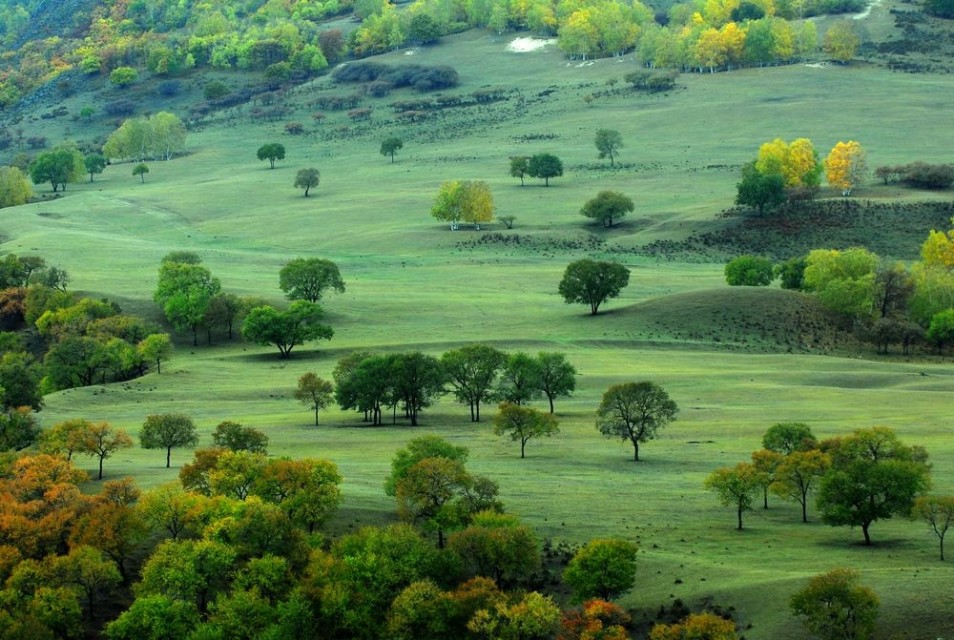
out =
column 420, row 77
column 120, row 108
column 929, row 176
column 169, row 88
column 791, row 273
column 294, row 128
column 122, row 77
column 215, row 90
column 939, row 8
column 749, row 271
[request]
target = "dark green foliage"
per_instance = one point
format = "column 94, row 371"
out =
column 309, row 278
column 602, row 569
column 168, row 431
column 607, row 206
column 789, row 437
column 390, row 146
column 20, row 378
column 519, row 379
column 791, row 273
column 286, row 329
column 422, row 78
column 235, row 437
column 307, row 179
column 749, row 271
column 835, row 607
column 141, row 170
column 762, row 192
column 940, row 8
column 557, row 377
column 471, row 371
column 95, row 163
column 423, row 29
column 592, row 282
column 19, row 429
column 652, row 81
column 271, row 151
column 546, row 166
column 57, row 166
column 634, row 412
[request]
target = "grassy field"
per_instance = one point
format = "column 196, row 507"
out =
column 414, row 284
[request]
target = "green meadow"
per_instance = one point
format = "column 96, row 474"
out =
column 735, row 361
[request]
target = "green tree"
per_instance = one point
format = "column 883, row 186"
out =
column 519, row 167
column 417, row 380
column 20, row 377
column 941, row 330
column 608, row 143
column 390, row 146
column 141, row 170
column 749, row 271
column 592, row 282
column 122, row 77
column 467, row 201
column 938, row 512
column 58, row 166
column 272, row 151
column 306, row 490
column 634, row 411
column 873, row 477
column 19, row 429
column 85, row 569
column 95, row 163
column 834, row 606
column 154, row 617
column 192, row 571
column 736, row 487
column 14, row 187
column 100, row 440
column 519, row 379
column 171, row 508
column 758, row 190
column 421, row 612
column 368, row 387
column 523, row 423
column 309, row 278
column 286, row 329
column 168, row 431
column 557, row 377
column 471, row 371
column 155, row 347
column 64, row 438
column 307, row 179
column 497, row 546
column 793, row 478
column 602, row 568
column 418, row 449
column 236, row 437
column 844, row 281
column 788, row 437
column 791, row 273
column 608, row 206
column 544, row 165
column 314, row 392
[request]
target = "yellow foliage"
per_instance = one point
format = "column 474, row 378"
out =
column 795, row 162
column 772, row 157
column 733, row 38
column 14, row 187
column 710, row 49
column 697, row 626
column 845, row 166
column 938, row 249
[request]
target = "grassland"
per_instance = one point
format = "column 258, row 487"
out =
column 413, row 284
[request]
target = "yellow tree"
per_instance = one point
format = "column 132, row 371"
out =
column 14, row 187
column 938, row 249
column 772, row 157
column 845, row 166
column 783, row 39
column 719, row 12
column 697, row 625
column 841, row 41
column 709, row 51
column 733, row 39
column 579, row 37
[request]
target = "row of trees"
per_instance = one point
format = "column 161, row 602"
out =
column 157, row 137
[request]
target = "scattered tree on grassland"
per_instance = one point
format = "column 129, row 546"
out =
column 141, row 170
column 100, row 440
column 544, row 165
column 736, row 487
column 390, row 146
column 841, row 41
column 634, row 412
column 286, row 329
column 845, row 166
column 608, row 206
column 519, row 167
column 464, row 201
column 94, row 163
column 759, row 190
column 833, row 606
column 937, row 511
column 158, row 137
column 309, row 278
column 557, row 377
column 14, row 187
column 602, row 568
column 307, row 179
column 766, row 462
column 788, row 437
column 523, row 423
column 122, row 77
column 64, row 438
column 696, row 626
column 519, row 379
column 58, row 166
column 592, row 282
column 749, row 271
column 168, row 431
column 236, row 437
column 271, row 151
column 472, row 371
column 184, row 291
column 314, row 392
column 608, row 143
column 417, row 379
column 155, row 347
column 797, row 472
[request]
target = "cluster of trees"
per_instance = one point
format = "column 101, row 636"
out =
column 157, row 137
column 539, row 165
column 920, row 175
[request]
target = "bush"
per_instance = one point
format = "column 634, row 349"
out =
column 749, row 271
column 215, row 90
column 929, row 176
column 939, row 8
column 420, row 77
column 120, row 108
column 122, row 77
column 652, row 80
column 791, row 272
column 169, row 88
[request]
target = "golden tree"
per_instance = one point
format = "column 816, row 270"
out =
column 845, row 166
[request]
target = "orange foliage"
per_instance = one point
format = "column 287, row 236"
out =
column 595, row 620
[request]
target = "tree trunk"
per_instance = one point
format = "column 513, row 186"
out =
column 942, row 547
column 158, row 366
column 740, row 517
column 316, row 416
column 635, row 451
column 168, row 457
column 523, row 444
column 100, row 468
column 550, row 398
column 864, row 530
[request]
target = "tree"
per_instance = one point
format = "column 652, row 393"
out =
column 523, row 423
column 95, row 163
column 736, row 486
column 167, row 431
column 873, row 477
column 20, row 377
column 602, row 568
column 101, row 440
column 497, row 546
column 14, row 187
column 843, row 280
column 286, row 329
column 544, row 165
column 155, row 347
column 19, row 429
column 941, row 330
column 531, row 617
column 634, row 411
column 607, row 206
column 58, row 166
column 519, row 167
column 557, row 377
column 64, row 438
column 422, row 611
column 122, row 77
column 845, row 166
column 471, row 371
column 758, row 190
column 788, row 437
column 390, row 146
column 309, row 278
column 696, row 626
column 468, row 201
column 430, row 491
column 835, row 607
column 416, row 380
column 141, row 170
column 306, row 490
column 307, row 179
column 766, row 463
column 797, row 472
column 519, row 379
column 749, row 271
column 314, row 392
column 592, row 282
column 418, row 449
column 791, row 273
column 86, row 569
column 235, row 437
column 937, row 511
column 595, row 619
column 172, row 508
column 841, row 41
column 608, row 143
column 154, row 617
column 272, row 151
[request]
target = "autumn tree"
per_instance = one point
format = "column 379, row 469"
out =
column 271, row 151
column 531, row 616
column 101, row 440
column 309, row 279
column 845, row 166
column 523, row 423
column 472, row 371
column 497, row 546
column 602, row 568
column 306, row 490
column 842, row 41
column 592, row 282
column 595, row 619
column 390, row 146
column 171, row 509
column 797, row 472
column 544, row 165
column 64, row 438
column 314, row 392
column 608, row 206
column 701, row 626
column 557, row 377
column 833, row 606
column 736, row 487
column 938, row 512
column 168, row 431
column 519, row 167
column 608, row 143
column 286, row 329
column 766, row 463
column 634, row 412
column 236, row 437
column 796, row 162
column 307, row 179
column 463, row 201
column 418, row 449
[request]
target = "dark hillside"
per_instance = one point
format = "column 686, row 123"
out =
column 64, row 18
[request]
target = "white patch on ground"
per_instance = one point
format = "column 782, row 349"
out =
column 526, row 45
column 817, row 65
column 867, row 12
column 410, row 52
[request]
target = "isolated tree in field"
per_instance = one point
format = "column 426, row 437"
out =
column 937, row 511
column 314, row 392
column 472, row 371
column 634, row 411
column 519, row 167
column 95, row 163
column 309, row 278
column 236, row 437
column 58, row 166
column 798, row 471
column 873, row 477
column 841, row 41
column 14, row 187
column 592, row 282
column 168, row 431
column 557, row 377
column 390, row 146
column 101, row 440
column 608, row 206
column 846, row 167
column 760, row 191
column 736, row 487
column 602, row 568
column 546, row 166
column 307, row 179
column 788, row 437
column 155, row 347
column 519, row 379
column 749, row 271
column 141, row 170
column 608, row 143
column 523, row 423
column 701, row 626
column 286, row 329
column 467, row 201
column 272, row 151
column 834, row 606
